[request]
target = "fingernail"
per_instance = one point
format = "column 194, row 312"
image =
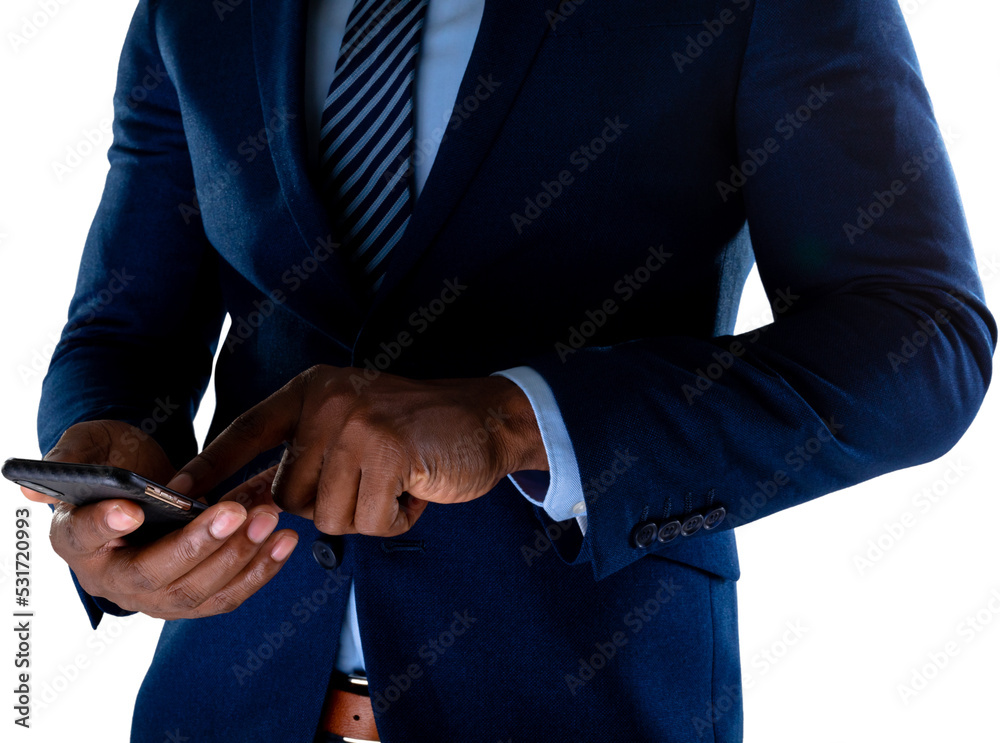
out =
column 225, row 523
column 261, row 525
column 118, row 520
column 283, row 548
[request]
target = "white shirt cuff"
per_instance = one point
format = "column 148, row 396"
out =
column 559, row 491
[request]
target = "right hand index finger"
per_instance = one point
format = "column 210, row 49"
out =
column 263, row 427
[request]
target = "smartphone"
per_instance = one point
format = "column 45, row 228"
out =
column 81, row 484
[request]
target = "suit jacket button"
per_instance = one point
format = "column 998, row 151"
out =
column 325, row 554
column 669, row 531
column 692, row 525
column 714, row 518
column 644, row 535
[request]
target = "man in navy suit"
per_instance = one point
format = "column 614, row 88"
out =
column 488, row 303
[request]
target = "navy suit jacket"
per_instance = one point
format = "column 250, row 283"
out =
column 585, row 138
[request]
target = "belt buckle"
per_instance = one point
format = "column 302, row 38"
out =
column 358, row 680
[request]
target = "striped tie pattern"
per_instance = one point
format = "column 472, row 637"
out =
column 366, row 134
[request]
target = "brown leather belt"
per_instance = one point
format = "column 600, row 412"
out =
column 349, row 714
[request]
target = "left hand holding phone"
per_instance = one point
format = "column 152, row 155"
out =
column 210, row 566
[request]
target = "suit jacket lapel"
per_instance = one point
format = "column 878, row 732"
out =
column 509, row 36
column 279, row 34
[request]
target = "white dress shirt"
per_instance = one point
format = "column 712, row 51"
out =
column 449, row 33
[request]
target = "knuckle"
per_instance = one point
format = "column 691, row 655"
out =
column 204, row 461
column 332, row 522
column 60, row 542
column 248, row 425
column 313, row 372
column 109, row 574
column 369, row 526
column 256, row 576
column 86, row 581
column 224, row 602
column 227, row 560
column 184, row 595
column 62, row 534
column 357, row 424
column 187, row 551
column 128, row 603
column 102, row 584
column 142, row 577
column 316, row 373
column 334, row 406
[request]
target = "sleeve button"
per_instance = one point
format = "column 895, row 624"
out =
column 692, row 525
column 669, row 531
column 644, row 535
column 714, row 518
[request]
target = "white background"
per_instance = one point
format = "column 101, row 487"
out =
column 860, row 633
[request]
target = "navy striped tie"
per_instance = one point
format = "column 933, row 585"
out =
column 366, row 134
